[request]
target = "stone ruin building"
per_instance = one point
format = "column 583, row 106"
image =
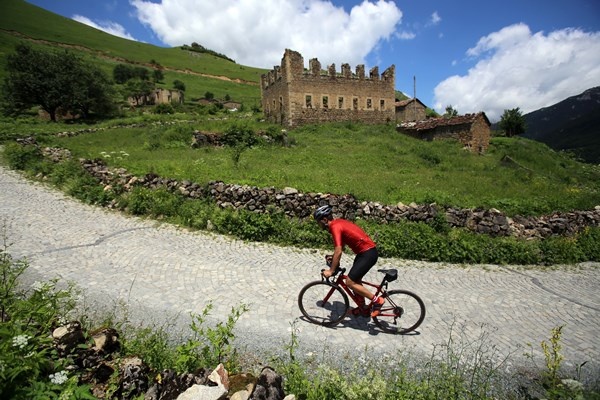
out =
column 292, row 96
column 472, row 130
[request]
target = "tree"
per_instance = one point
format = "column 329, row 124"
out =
column 179, row 85
column 209, row 96
column 157, row 75
column 512, row 122
column 239, row 138
column 54, row 81
column 139, row 90
column 92, row 92
column 122, row 73
column 450, row 111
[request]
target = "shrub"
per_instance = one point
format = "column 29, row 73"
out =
column 22, row 157
column 158, row 203
column 195, row 213
column 588, row 242
column 87, row 189
column 164, row 108
column 410, row 240
column 559, row 250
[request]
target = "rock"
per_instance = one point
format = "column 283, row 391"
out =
column 134, row 380
column 106, row 340
column 268, row 387
column 220, row 377
column 201, row 392
column 67, row 337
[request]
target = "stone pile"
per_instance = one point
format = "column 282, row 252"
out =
column 103, row 369
column 300, row 205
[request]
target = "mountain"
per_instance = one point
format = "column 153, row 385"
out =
column 572, row 125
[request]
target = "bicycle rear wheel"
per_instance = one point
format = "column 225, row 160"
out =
column 323, row 303
column 402, row 312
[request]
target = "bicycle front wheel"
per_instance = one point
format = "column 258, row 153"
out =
column 402, row 312
column 323, row 303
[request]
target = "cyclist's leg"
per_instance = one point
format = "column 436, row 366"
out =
column 363, row 262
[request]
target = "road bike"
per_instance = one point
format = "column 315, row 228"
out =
column 326, row 302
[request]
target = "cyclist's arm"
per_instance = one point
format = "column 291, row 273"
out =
column 335, row 262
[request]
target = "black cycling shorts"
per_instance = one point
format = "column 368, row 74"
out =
column 363, row 262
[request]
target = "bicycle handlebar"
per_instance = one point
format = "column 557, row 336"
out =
column 336, row 272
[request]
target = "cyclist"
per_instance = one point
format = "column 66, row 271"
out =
column 346, row 233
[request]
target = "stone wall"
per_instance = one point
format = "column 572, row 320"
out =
column 300, row 205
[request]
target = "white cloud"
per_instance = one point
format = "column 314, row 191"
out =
column 107, row 26
column 405, row 35
column 256, row 32
column 516, row 68
column 435, row 18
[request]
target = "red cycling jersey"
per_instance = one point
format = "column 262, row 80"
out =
column 346, row 233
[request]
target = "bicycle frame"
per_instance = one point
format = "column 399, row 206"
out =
column 340, row 281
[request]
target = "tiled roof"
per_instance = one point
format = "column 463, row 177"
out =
column 404, row 103
column 433, row 123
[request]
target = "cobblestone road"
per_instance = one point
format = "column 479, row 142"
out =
column 166, row 271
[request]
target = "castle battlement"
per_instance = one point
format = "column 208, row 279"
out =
column 293, row 95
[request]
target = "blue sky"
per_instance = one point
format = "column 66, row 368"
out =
column 474, row 55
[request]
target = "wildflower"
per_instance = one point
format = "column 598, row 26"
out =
column 66, row 395
column 20, row 341
column 37, row 286
column 59, row 378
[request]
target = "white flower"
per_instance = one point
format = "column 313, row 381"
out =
column 59, row 378
column 66, row 395
column 37, row 286
column 20, row 341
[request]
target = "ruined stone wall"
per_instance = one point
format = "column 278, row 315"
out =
column 480, row 135
column 475, row 136
column 292, row 96
column 462, row 133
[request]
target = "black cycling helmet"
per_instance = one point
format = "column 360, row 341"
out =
column 322, row 212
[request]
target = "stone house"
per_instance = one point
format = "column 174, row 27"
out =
column 231, row 105
column 410, row 110
column 472, row 130
column 293, row 96
column 159, row 96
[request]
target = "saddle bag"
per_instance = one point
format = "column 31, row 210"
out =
column 391, row 275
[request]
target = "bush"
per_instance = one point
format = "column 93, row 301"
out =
column 588, row 241
column 22, row 157
column 87, row 189
column 417, row 241
column 157, row 203
column 559, row 250
column 196, row 213
column 164, row 108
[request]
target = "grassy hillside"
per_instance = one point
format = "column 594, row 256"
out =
column 372, row 163
column 21, row 21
